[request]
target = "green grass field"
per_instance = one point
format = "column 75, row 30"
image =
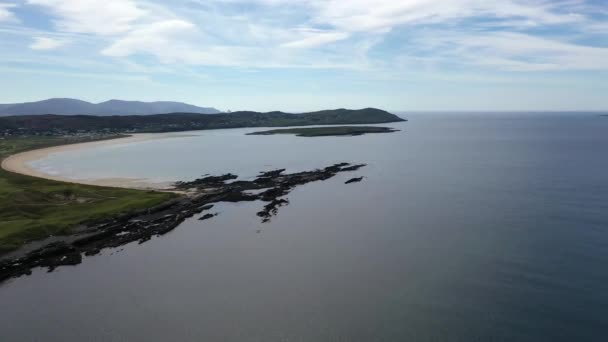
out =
column 33, row 208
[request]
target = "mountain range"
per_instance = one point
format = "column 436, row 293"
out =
column 65, row 106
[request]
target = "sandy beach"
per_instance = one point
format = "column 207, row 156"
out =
column 20, row 163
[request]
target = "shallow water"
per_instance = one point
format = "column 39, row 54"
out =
column 466, row 228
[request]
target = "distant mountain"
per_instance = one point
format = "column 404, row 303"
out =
column 112, row 107
column 61, row 124
column 159, row 107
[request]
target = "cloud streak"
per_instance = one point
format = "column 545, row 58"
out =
column 45, row 43
column 355, row 34
column 315, row 38
column 103, row 17
column 6, row 15
column 157, row 38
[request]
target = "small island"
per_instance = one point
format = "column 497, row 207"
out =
column 328, row 131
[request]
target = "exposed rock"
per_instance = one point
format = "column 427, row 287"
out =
column 353, row 167
column 271, row 174
column 354, row 180
column 141, row 226
column 207, row 216
column 271, row 209
column 208, row 181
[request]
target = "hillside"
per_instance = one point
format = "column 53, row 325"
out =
column 58, row 124
column 112, row 107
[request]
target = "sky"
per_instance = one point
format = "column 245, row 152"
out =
column 296, row 55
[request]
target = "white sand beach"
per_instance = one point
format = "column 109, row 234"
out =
column 21, row 162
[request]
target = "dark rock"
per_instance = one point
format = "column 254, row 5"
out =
column 207, row 216
column 92, row 251
column 271, row 174
column 70, row 259
column 142, row 225
column 336, row 167
column 353, row 167
column 273, row 193
column 354, row 180
column 207, row 181
column 272, row 208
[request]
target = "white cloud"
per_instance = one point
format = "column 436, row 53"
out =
column 6, row 14
column 227, row 41
column 382, row 15
column 515, row 51
column 334, row 33
column 45, row 43
column 103, row 17
column 315, row 38
column 158, row 38
column 187, row 53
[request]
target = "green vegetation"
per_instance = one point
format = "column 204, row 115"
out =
column 328, row 131
column 33, row 208
column 61, row 125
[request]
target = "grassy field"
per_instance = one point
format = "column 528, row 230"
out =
column 327, row 131
column 33, row 208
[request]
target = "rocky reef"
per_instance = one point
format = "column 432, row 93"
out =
column 270, row 187
column 354, row 180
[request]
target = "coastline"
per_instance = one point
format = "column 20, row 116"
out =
column 270, row 187
column 19, row 163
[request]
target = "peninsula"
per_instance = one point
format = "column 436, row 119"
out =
column 61, row 125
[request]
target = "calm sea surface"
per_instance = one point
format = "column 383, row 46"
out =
column 466, row 228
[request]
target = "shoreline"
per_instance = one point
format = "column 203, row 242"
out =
column 271, row 187
column 19, row 163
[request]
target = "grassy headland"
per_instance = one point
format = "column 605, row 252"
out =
column 328, row 131
column 69, row 124
column 34, row 208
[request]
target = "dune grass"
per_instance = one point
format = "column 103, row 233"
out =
column 33, row 208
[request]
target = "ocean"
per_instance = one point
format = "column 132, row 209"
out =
column 466, row 227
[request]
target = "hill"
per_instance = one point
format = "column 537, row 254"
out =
column 61, row 124
column 112, row 107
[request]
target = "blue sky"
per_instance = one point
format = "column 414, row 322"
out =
column 300, row 55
